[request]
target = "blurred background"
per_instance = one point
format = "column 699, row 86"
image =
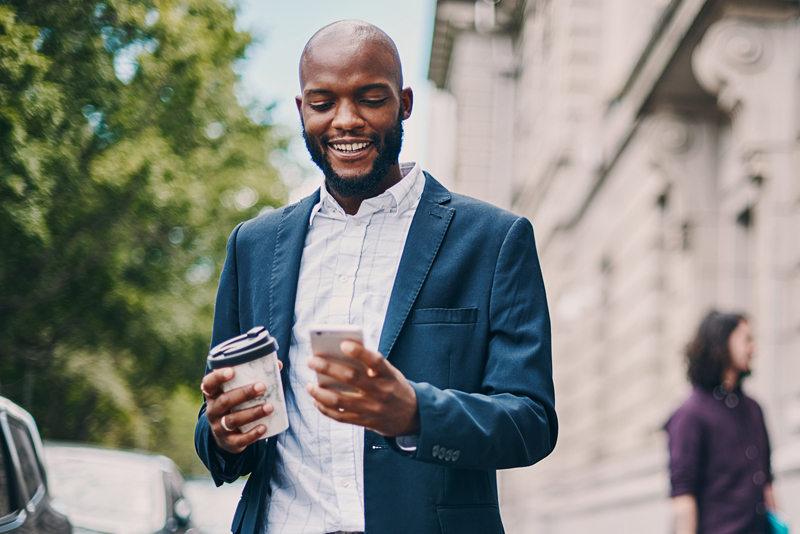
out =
column 654, row 145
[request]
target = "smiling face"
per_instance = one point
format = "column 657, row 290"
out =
column 359, row 185
column 352, row 108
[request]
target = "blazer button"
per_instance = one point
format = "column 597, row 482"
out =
column 456, row 454
column 448, row 455
column 435, row 451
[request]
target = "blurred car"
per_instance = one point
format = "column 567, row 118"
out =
column 25, row 503
column 118, row 492
column 213, row 506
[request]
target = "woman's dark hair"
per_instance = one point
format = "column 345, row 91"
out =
column 708, row 355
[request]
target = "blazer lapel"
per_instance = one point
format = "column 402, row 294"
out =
column 425, row 235
column 289, row 243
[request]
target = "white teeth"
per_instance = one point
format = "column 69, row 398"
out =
column 349, row 147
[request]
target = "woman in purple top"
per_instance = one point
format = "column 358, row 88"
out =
column 718, row 444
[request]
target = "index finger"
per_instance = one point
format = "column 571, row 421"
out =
column 372, row 360
column 212, row 382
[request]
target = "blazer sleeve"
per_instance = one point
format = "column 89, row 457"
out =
column 512, row 421
column 224, row 466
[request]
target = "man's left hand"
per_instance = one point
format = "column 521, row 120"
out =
column 385, row 402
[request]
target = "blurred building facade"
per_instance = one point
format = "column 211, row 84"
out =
column 655, row 146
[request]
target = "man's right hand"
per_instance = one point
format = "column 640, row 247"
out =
column 218, row 411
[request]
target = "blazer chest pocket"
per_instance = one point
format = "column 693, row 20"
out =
column 444, row 316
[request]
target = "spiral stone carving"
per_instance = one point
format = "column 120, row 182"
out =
column 731, row 51
column 672, row 135
column 745, row 47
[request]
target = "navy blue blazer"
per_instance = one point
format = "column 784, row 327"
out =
column 467, row 324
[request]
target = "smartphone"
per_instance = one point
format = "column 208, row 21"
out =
column 325, row 341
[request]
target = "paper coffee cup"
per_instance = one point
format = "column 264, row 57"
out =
column 253, row 357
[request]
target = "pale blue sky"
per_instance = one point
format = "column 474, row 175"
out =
column 281, row 30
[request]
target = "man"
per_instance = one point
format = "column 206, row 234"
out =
column 718, row 444
column 446, row 288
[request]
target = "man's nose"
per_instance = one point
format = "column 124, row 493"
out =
column 347, row 116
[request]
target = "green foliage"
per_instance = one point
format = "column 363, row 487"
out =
column 169, row 434
column 125, row 162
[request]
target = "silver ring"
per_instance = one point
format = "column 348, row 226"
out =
column 224, row 425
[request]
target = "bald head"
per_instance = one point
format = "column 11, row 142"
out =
column 351, row 35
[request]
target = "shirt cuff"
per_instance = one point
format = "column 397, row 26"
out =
column 407, row 443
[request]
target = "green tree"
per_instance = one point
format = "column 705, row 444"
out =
column 125, row 161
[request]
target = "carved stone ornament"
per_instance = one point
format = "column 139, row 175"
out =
column 743, row 47
column 671, row 135
column 678, row 147
column 746, row 48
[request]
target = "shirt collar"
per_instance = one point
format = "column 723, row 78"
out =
column 398, row 199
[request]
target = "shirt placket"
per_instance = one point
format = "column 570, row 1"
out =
column 347, row 262
column 343, row 459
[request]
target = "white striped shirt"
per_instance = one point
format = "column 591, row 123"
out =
column 346, row 277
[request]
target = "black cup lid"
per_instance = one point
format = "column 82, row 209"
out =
column 242, row 349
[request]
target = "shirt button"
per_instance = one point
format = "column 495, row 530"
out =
column 751, row 452
column 345, row 483
column 357, row 222
column 387, row 210
column 759, row 478
column 343, row 279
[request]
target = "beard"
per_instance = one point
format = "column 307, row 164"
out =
column 367, row 184
column 742, row 376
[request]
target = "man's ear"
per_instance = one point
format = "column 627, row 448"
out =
column 299, row 101
column 407, row 101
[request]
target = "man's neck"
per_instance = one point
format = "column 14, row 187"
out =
column 350, row 205
column 730, row 379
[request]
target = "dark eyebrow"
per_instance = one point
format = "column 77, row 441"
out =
column 363, row 89
column 373, row 86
